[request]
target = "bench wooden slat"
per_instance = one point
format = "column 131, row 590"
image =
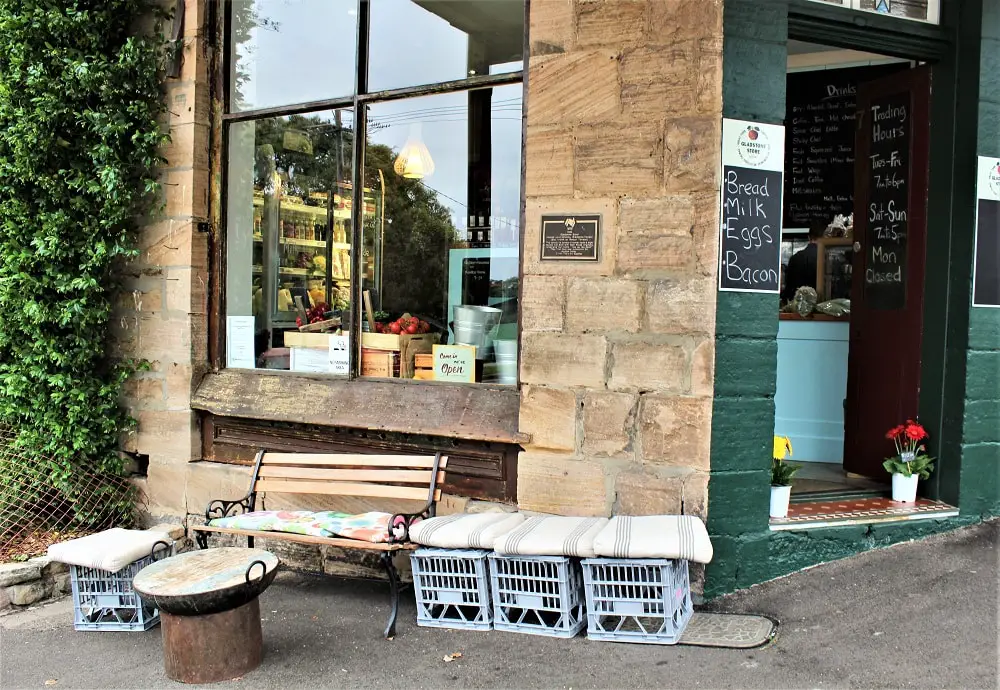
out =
column 345, row 460
column 307, row 539
column 379, row 476
column 345, row 489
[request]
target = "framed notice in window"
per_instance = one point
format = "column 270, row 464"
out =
column 919, row 10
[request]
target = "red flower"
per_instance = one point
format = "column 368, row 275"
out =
column 914, row 431
column 894, row 432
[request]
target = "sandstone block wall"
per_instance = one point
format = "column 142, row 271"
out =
column 624, row 119
column 162, row 317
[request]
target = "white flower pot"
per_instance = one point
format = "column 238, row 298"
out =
column 904, row 489
column 780, row 495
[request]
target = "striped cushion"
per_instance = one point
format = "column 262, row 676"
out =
column 461, row 531
column 552, row 536
column 655, row 536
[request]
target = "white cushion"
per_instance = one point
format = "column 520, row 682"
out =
column 552, row 536
column 655, row 536
column 110, row 550
column 462, row 531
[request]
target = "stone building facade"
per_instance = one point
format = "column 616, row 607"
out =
column 643, row 389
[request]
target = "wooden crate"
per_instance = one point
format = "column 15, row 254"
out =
column 379, row 363
column 423, row 367
column 314, row 340
column 408, row 347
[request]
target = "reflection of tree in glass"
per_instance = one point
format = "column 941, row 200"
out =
column 245, row 18
column 310, row 153
column 418, row 235
column 313, row 154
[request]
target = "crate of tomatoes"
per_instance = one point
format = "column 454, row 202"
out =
column 407, row 335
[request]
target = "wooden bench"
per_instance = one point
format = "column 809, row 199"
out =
column 400, row 477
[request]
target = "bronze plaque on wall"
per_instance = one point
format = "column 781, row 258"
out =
column 571, row 237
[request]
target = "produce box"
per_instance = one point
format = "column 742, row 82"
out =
column 423, row 367
column 408, row 347
column 299, row 339
column 379, row 363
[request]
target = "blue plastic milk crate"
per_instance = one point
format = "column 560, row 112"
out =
column 637, row 600
column 452, row 588
column 106, row 601
column 538, row 595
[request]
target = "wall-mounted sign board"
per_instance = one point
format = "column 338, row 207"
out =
column 753, row 156
column 919, row 10
column 986, row 275
column 570, row 237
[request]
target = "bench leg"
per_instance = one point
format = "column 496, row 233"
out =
column 390, row 569
column 249, row 542
column 202, row 539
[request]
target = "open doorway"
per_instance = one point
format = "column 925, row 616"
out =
column 853, row 251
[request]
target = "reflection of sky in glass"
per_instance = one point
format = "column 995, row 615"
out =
column 444, row 129
column 300, row 50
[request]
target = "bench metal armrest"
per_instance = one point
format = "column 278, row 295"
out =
column 400, row 524
column 220, row 508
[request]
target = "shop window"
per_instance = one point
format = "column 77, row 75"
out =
column 376, row 234
column 919, row 10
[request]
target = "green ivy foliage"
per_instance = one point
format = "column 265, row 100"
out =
column 80, row 97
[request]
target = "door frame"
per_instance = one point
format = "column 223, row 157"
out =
column 950, row 203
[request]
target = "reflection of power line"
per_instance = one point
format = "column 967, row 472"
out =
column 377, row 126
column 494, row 219
column 408, row 115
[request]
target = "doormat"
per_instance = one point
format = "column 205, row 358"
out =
column 848, row 511
column 733, row 631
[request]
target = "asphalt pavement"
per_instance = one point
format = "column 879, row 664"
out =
column 917, row 615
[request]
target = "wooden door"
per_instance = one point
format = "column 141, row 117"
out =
column 890, row 223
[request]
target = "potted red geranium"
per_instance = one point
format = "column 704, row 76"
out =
column 911, row 463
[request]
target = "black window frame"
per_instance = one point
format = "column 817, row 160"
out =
column 358, row 104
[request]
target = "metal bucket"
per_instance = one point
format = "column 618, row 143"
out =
column 506, row 356
column 474, row 325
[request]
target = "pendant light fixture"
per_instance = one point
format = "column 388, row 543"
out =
column 414, row 161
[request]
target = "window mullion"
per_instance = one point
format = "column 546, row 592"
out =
column 358, row 191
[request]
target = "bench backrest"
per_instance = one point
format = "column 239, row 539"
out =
column 410, row 477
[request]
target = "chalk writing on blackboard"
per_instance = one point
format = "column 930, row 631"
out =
column 752, row 190
column 888, row 202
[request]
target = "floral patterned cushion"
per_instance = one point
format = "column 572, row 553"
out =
column 371, row 527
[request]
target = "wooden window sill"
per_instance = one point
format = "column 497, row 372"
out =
column 471, row 412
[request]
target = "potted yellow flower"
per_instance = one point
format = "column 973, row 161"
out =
column 781, row 476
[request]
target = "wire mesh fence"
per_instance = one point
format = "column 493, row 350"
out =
column 42, row 502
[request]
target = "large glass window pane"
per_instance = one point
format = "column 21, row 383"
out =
column 416, row 42
column 291, row 51
column 288, row 240
column 442, row 261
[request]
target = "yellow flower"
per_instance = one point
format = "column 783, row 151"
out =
column 782, row 447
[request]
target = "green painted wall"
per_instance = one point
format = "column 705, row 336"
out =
column 962, row 350
column 980, row 476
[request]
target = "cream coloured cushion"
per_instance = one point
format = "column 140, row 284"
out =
column 462, row 531
column 110, row 550
column 655, row 536
column 552, row 536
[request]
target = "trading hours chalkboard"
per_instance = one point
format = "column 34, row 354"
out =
column 888, row 168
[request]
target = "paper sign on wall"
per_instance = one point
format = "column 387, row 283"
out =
column 340, row 355
column 455, row 363
column 239, row 342
column 309, row 360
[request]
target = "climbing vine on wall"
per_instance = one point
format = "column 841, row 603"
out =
column 80, row 94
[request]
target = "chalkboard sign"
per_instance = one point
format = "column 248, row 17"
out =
column 475, row 280
column 888, row 171
column 819, row 158
column 986, row 279
column 750, row 241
